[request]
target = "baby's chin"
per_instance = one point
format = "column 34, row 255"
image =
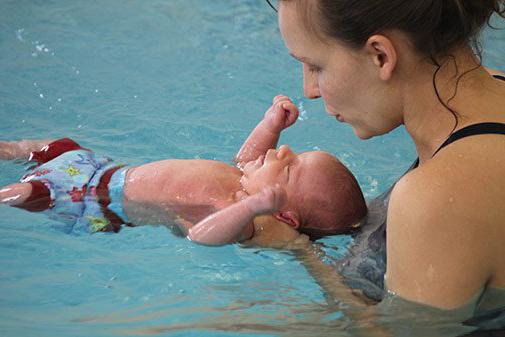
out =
column 244, row 182
column 248, row 185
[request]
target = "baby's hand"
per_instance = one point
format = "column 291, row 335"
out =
column 268, row 200
column 281, row 115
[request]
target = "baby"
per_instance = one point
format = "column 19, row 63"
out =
column 211, row 202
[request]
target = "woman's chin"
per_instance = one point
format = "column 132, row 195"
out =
column 362, row 134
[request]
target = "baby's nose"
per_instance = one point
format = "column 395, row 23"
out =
column 284, row 151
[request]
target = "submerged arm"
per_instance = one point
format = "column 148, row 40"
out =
column 354, row 305
column 327, row 277
column 282, row 114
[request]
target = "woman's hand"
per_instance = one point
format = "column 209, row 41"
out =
column 282, row 114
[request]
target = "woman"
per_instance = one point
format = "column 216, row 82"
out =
column 381, row 64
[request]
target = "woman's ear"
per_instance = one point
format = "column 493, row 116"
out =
column 383, row 53
column 289, row 217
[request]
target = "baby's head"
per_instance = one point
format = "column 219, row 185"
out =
column 324, row 198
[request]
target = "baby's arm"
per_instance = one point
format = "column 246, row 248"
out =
column 234, row 223
column 21, row 149
column 281, row 115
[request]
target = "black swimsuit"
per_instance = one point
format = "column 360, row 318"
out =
column 364, row 265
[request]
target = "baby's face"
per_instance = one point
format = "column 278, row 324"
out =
column 285, row 168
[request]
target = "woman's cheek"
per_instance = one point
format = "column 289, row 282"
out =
column 321, row 85
column 328, row 92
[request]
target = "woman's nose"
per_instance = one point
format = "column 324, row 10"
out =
column 310, row 86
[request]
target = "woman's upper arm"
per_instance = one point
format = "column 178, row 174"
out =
column 435, row 254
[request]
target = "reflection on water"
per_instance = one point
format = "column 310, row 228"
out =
column 267, row 308
column 262, row 316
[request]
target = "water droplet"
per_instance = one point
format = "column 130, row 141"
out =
column 96, row 90
column 59, row 99
column 41, row 95
column 19, row 34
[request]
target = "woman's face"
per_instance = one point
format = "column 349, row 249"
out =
column 346, row 79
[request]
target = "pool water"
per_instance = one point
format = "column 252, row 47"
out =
column 146, row 80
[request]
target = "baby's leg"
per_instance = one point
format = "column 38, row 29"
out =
column 32, row 196
column 21, row 149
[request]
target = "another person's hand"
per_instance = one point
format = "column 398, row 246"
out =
column 282, row 114
column 268, row 200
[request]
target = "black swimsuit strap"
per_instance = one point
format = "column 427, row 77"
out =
column 472, row 130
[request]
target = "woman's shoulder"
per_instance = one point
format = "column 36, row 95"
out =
column 456, row 196
column 463, row 183
column 442, row 225
column 426, row 197
column 495, row 72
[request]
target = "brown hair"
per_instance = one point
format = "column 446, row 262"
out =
column 435, row 27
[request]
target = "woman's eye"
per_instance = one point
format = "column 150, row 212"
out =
column 314, row 69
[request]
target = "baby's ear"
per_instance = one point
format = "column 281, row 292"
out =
column 289, row 217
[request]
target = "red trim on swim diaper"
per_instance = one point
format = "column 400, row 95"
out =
column 102, row 192
column 54, row 149
column 39, row 200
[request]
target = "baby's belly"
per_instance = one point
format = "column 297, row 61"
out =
column 172, row 196
column 167, row 214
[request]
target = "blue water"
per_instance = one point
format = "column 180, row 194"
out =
column 147, row 80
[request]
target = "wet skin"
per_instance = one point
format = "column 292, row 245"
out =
column 190, row 190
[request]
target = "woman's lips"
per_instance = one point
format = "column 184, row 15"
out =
column 337, row 116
